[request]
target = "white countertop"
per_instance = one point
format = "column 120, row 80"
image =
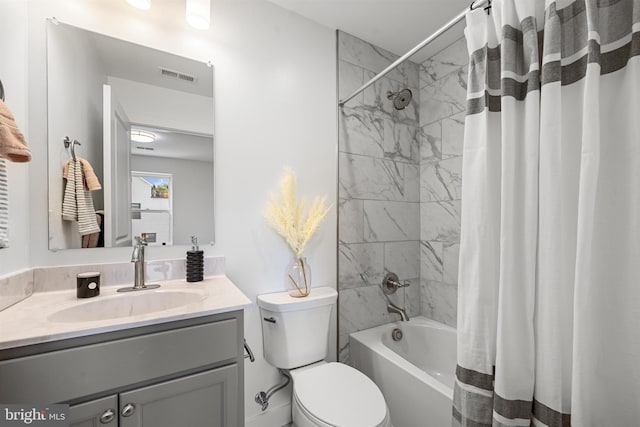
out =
column 30, row 321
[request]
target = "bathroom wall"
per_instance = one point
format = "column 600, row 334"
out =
column 442, row 111
column 379, row 224
column 275, row 103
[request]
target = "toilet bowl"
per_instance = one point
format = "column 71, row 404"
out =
column 336, row 395
column 295, row 335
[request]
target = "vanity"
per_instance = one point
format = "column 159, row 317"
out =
column 166, row 357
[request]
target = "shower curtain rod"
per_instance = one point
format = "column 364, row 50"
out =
column 407, row 55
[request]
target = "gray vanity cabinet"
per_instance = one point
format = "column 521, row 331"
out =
column 201, row 399
column 185, row 373
column 197, row 400
column 95, row 413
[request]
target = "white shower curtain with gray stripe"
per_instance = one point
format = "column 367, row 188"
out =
column 549, row 278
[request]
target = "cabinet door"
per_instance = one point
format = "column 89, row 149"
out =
column 207, row 399
column 95, row 413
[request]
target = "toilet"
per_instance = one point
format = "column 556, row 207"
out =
column 295, row 332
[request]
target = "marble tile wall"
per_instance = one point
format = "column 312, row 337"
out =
column 442, row 111
column 379, row 188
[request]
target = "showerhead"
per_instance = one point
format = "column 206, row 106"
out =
column 400, row 99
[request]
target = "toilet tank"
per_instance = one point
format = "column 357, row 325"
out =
column 295, row 331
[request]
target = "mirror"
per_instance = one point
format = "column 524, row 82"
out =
column 143, row 123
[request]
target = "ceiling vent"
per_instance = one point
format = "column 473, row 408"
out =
column 145, row 148
column 176, row 75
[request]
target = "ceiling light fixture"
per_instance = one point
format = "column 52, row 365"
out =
column 199, row 13
column 142, row 136
column 140, row 4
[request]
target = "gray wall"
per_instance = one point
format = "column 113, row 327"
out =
column 192, row 195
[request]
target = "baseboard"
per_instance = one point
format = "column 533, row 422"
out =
column 279, row 416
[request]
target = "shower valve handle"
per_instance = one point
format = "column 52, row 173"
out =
column 391, row 283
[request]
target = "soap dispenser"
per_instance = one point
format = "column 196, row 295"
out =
column 195, row 262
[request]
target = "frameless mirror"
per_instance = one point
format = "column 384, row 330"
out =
column 143, row 122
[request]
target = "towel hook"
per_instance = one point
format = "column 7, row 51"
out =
column 1, row 91
column 68, row 142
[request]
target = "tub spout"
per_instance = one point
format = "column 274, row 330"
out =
column 392, row 308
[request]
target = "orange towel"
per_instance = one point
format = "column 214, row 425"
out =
column 89, row 178
column 12, row 144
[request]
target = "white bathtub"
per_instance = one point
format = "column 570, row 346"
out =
column 416, row 374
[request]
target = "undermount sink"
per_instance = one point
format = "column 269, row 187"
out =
column 126, row 305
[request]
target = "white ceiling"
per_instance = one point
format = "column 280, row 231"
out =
column 395, row 25
column 175, row 145
column 142, row 64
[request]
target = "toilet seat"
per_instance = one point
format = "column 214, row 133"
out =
column 336, row 395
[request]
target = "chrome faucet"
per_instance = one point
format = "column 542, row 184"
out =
column 392, row 308
column 137, row 257
column 390, row 285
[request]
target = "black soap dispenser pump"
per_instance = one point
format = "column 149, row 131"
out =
column 195, row 262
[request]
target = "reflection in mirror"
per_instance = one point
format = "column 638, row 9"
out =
column 152, row 209
column 144, row 119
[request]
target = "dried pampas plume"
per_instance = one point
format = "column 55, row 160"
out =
column 287, row 215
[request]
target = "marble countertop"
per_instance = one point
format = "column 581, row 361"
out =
column 37, row 318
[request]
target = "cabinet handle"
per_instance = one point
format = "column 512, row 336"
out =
column 269, row 319
column 128, row 409
column 107, row 416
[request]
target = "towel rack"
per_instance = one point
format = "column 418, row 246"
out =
column 1, row 91
column 249, row 354
column 68, row 142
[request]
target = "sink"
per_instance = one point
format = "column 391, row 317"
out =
column 126, row 305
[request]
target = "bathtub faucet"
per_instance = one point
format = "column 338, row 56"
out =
column 392, row 308
column 391, row 283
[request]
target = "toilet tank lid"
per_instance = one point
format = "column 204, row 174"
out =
column 282, row 301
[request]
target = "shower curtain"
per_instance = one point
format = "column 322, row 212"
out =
column 549, row 276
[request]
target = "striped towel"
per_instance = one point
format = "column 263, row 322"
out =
column 69, row 207
column 4, row 206
column 77, row 204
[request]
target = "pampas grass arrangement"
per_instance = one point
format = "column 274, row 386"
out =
column 287, row 216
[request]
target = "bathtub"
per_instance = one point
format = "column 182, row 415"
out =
column 416, row 374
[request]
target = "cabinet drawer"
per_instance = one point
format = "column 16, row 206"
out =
column 68, row 374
